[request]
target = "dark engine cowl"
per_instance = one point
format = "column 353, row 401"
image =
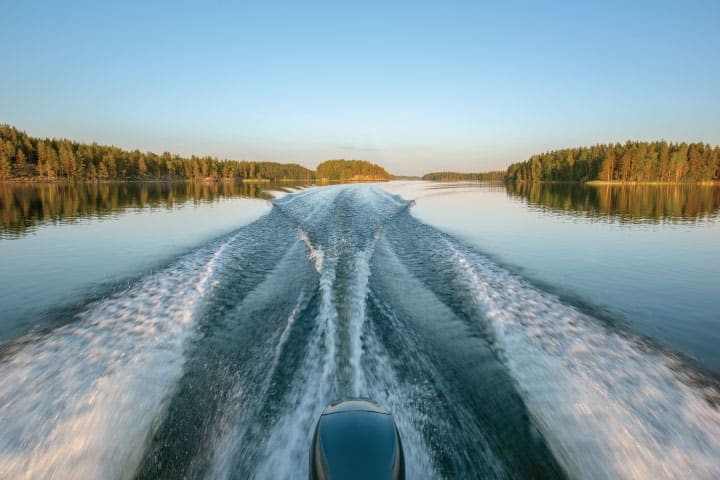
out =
column 356, row 439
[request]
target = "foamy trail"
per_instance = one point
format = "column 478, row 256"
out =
column 356, row 305
column 81, row 401
column 609, row 406
column 398, row 397
column 314, row 386
column 237, row 419
column 356, row 302
column 340, row 233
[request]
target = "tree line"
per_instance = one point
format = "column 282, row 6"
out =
column 632, row 162
column 457, row 176
column 22, row 156
column 350, row 171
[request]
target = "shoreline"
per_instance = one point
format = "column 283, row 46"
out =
column 620, row 183
column 66, row 181
column 593, row 183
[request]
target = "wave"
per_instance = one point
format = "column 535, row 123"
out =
column 219, row 365
column 610, row 405
column 81, row 401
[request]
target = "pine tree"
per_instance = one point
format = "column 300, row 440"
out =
column 4, row 163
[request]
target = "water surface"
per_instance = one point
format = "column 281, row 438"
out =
column 62, row 245
column 647, row 257
column 469, row 312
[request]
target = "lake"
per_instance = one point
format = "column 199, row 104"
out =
column 63, row 245
column 520, row 331
column 646, row 257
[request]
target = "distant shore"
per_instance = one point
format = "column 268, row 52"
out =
column 593, row 183
column 66, row 181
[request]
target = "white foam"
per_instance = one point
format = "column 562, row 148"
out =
column 82, row 401
column 317, row 382
column 233, row 427
column 356, row 306
column 609, row 406
column 398, row 398
column 286, row 446
column 316, row 255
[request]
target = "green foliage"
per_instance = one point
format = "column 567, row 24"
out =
column 350, row 171
column 473, row 177
column 22, row 156
column 633, row 162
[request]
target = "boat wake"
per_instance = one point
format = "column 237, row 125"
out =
column 219, row 365
column 66, row 398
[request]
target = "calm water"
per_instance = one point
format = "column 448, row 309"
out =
column 530, row 332
column 62, row 245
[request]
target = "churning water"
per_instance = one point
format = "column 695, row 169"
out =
column 218, row 365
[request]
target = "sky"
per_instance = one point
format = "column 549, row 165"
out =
column 415, row 86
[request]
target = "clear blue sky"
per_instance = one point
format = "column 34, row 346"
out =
column 415, row 86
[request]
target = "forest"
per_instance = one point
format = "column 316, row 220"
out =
column 350, row 171
column 632, row 162
column 25, row 157
column 29, row 158
column 457, row 176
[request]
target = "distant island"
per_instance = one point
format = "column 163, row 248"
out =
column 350, row 171
column 457, row 176
column 28, row 158
column 633, row 162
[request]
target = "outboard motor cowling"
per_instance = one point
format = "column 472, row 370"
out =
column 356, row 439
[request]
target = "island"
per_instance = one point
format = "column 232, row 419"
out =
column 340, row 171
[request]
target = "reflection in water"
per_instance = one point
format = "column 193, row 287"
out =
column 218, row 363
column 23, row 207
column 626, row 203
column 26, row 206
